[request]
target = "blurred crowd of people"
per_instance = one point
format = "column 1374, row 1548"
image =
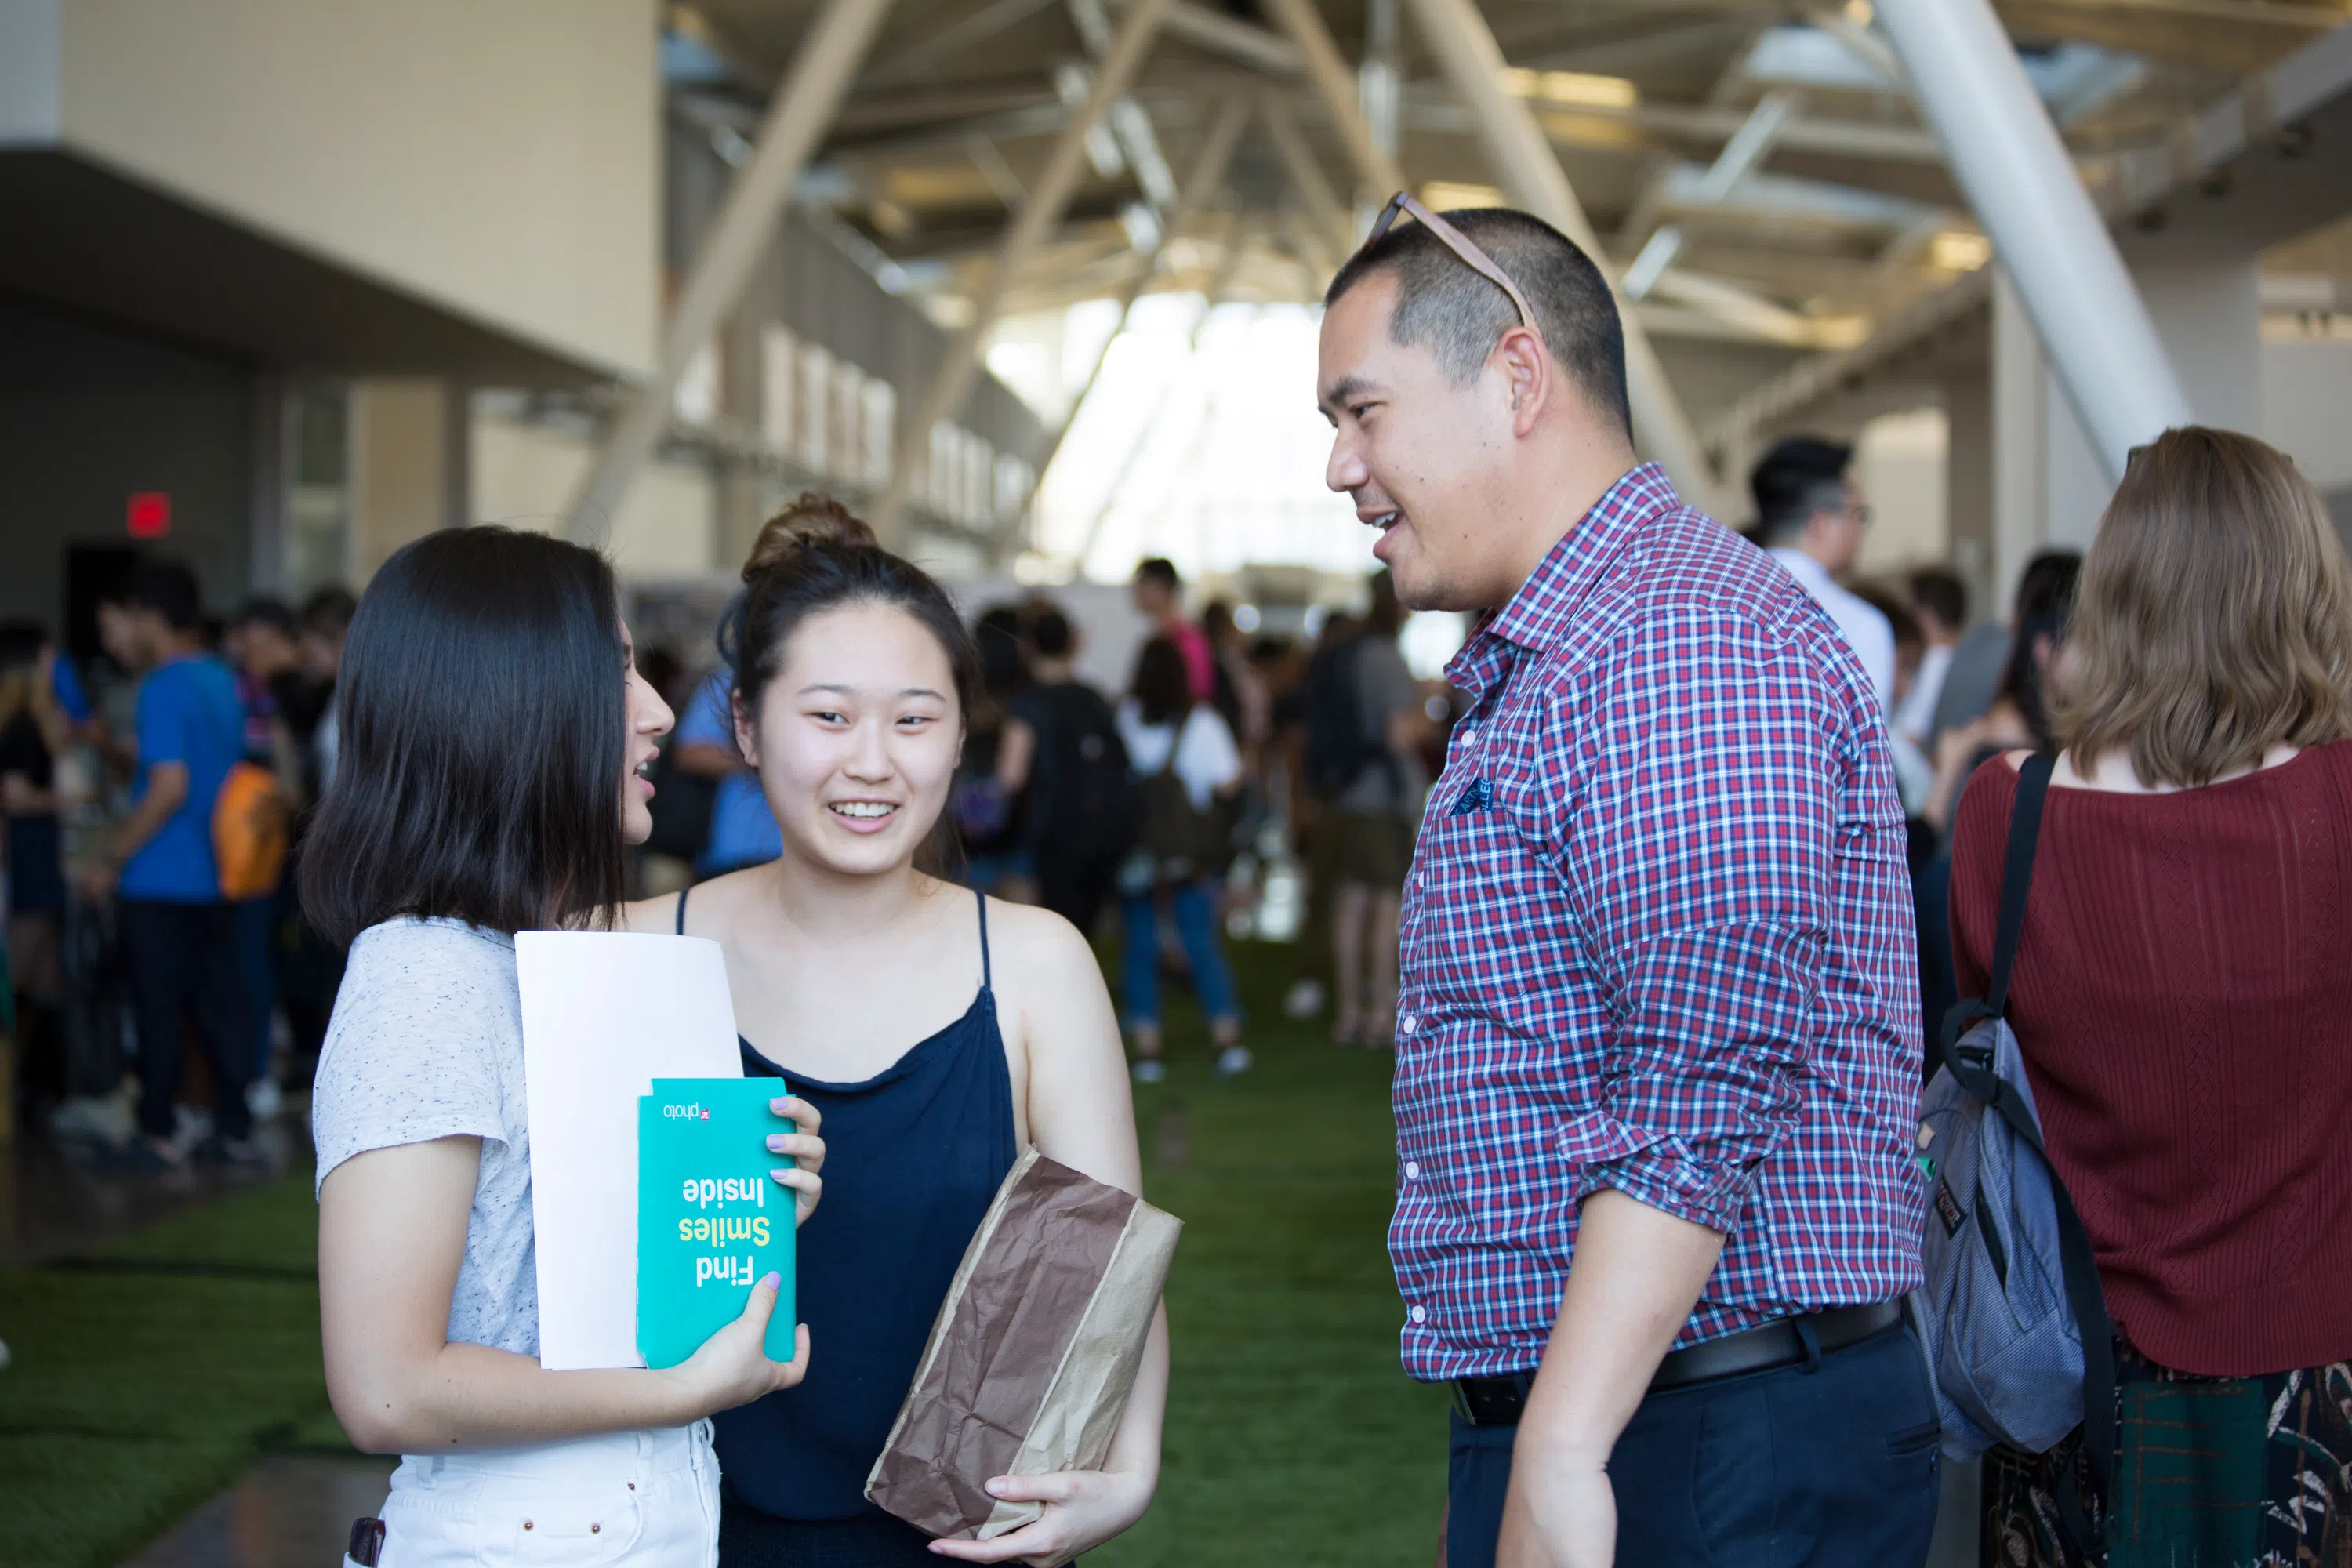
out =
column 1158, row 814
column 166, row 989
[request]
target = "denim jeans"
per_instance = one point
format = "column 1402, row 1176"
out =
column 1195, row 907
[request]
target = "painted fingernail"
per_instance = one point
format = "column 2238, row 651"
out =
column 775, row 1143
column 773, row 1281
column 996, row 1489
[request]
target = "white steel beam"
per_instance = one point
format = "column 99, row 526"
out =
column 1200, row 186
column 1324, row 208
column 1049, row 193
column 1465, row 49
column 2007, row 155
column 1335, row 83
column 803, row 106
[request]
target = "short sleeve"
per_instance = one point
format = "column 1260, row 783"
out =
column 426, row 1033
column 162, row 719
column 709, row 718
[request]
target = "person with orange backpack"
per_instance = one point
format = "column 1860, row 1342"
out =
column 178, row 927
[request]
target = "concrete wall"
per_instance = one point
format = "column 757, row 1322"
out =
column 86, row 417
column 524, row 475
column 500, row 160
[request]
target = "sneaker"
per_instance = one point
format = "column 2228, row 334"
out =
column 264, row 1100
column 1150, row 1069
column 1303, row 1000
column 1233, row 1061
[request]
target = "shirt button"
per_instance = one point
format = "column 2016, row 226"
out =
column 1411, row 1023
column 1412, row 1170
column 1421, row 1314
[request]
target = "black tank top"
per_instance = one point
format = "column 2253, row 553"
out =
column 913, row 1158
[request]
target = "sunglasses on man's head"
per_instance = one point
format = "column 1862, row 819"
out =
column 1454, row 240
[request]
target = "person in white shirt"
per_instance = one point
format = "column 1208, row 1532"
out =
column 1810, row 517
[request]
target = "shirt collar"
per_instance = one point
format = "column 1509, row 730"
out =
column 1538, row 614
column 1804, row 568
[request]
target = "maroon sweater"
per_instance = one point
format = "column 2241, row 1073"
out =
column 2183, row 994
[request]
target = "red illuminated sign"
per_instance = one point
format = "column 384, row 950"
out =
column 149, row 515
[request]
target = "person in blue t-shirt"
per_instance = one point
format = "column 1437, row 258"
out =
column 178, row 933
column 743, row 831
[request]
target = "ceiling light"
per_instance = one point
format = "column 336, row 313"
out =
column 1958, row 250
column 1571, row 87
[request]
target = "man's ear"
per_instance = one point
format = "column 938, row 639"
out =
column 1527, row 371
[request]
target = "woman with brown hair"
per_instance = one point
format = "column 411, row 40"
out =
column 2181, row 994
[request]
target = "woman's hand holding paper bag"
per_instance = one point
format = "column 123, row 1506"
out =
column 1083, row 1508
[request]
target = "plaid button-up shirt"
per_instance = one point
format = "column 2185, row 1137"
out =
column 1658, row 937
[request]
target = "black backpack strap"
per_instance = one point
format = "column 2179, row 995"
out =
column 2078, row 1264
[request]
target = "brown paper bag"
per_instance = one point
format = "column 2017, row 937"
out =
column 1034, row 1351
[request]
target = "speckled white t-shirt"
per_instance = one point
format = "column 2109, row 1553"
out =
column 426, row 1042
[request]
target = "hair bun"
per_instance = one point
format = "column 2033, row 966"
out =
column 816, row 521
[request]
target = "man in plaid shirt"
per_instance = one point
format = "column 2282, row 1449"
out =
column 1657, row 1037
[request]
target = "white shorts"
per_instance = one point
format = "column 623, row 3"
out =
column 643, row 1498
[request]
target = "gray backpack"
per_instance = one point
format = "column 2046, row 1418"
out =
column 2011, row 1315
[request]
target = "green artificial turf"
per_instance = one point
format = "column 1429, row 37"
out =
column 147, row 1374
column 146, row 1381
column 1293, row 1438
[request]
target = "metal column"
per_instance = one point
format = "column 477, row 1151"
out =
column 2007, row 155
column 1023, row 235
column 803, row 106
column 1473, row 63
column 1208, row 173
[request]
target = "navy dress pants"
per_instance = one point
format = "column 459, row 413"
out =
column 1831, row 1465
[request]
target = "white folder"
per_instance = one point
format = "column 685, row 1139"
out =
column 604, row 1014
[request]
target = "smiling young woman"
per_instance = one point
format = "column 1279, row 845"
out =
column 936, row 1031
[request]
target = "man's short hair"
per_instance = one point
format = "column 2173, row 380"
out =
column 169, row 589
column 1049, row 634
column 1942, row 595
column 1160, row 570
column 1799, row 477
column 1459, row 314
column 328, row 613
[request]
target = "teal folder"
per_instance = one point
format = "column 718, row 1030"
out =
column 711, row 1221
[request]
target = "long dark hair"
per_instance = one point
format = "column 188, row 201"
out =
column 2044, row 610
column 481, row 717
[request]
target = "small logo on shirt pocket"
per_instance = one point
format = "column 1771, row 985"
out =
column 1475, row 798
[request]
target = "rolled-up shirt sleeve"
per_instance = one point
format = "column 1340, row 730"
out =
column 1703, row 863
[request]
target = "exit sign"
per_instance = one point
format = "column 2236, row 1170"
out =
column 149, row 515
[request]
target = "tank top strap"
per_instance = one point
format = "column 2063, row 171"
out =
column 681, row 910
column 987, row 974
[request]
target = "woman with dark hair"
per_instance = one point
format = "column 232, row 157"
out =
column 34, row 732
column 1185, row 758
column 2020, row 713
column 938, row 1030
column 2179, row 992
column 495, row 733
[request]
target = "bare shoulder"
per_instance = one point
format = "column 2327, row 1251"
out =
column 1036, row 947
column 656, row 916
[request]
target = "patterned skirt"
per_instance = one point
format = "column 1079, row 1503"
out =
column 2211, row 1472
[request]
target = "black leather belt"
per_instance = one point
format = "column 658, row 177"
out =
column 1497, row 1400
